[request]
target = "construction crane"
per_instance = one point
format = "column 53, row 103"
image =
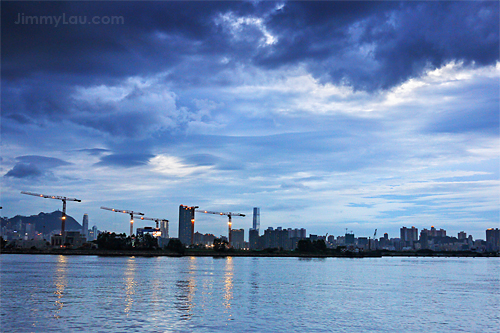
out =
column 132, row 213
column 228, row 215
column 369, row 240
column 157, row 222
column 57, row 197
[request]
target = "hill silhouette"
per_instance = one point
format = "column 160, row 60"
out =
column 44, row 222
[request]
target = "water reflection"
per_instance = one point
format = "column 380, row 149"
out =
column 253, row 304
column 186, row 291
column 130, row 284
column 228, row 286
column 60, row 282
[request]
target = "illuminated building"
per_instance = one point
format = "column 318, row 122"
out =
column 72, row 239
column 155, row 232
column 186, row 224
column 30, row 231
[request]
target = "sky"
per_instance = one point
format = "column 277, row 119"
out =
column 329, row 116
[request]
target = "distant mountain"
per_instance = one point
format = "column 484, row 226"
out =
column 51, row 222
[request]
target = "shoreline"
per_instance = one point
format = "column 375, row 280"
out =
column 374, row 254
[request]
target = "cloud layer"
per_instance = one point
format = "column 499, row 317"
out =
column 327, row 115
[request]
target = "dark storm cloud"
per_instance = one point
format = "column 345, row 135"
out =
column 125, row 160
column 33, row 99
column 380, row 44
column 24, row 170
column 34, row 166
column 368, row 45
column 106, row 50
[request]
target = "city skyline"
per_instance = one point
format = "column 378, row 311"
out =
column 190, row 231
column 325, row 115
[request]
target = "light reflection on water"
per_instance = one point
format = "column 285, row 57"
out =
column 60, row 281
column 129, row 276
column 186, row 287
column 197, row 294
column 228, row 285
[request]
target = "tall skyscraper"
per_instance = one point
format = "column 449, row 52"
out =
column 85, row 226
column 256, row 218
column 186, row 224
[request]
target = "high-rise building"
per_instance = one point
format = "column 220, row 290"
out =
column 164, row 229
column 434, row 232
column 409, row 235
column 276, row 238
column 95, row 232
column 462, row 235
column 256, row 218
column 493, row 239
column 85, row 226
column 349, row 238
column 203, row 239
column 297, row 233
column 30, row 231
column 186, row 224
column 253, row 239
column 237, row 238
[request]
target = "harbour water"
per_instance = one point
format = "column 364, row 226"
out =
column 44, row 293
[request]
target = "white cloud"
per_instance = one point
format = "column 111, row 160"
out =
column 237, row 25
column 174, row 167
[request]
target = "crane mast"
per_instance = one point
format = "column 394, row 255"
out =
column 229, row 223
column 124, row 211
column 370, row 241
column 56, row 197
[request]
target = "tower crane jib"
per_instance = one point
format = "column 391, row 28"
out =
column 229, row 215
column 124, row 211
column 56, row 197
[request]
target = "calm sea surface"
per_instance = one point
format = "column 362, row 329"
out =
column 195, row 294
